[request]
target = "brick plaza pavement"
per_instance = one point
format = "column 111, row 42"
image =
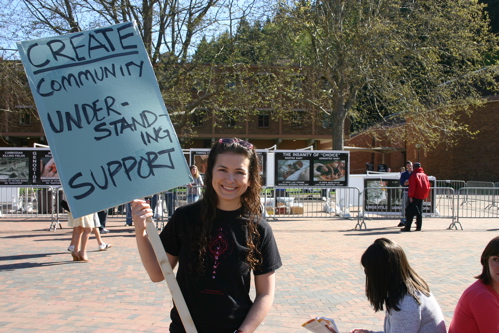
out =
column 42, row 289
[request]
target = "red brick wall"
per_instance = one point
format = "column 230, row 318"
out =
column 471, row 159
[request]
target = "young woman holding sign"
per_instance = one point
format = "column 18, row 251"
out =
column 217, row 242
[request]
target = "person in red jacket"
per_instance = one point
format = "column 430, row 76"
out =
column 419, row 189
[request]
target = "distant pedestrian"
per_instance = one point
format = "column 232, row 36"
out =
column 82, row 228
column 404, row 182
column 194, row 188
column 102, row 220
column 128, row 218
column 419, row 189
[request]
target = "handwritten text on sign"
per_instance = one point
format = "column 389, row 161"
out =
column 104, row 117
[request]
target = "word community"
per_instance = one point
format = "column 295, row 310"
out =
column 82, row 78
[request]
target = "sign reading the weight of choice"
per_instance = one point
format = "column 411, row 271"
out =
column 104, row 117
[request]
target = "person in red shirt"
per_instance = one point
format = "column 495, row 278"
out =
column 478, row 308
column 419, row 189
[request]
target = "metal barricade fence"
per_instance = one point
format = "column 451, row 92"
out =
column 389, row 203
column 476, row 202
column 455, row 184
column 306, row 202
column 455, row 201
column 474, row 183
column 29, row 201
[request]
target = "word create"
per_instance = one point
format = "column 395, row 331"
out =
column 80, row 47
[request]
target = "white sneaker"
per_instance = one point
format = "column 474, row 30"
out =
column 71, row 248
column 105, row 246
column 104, row 231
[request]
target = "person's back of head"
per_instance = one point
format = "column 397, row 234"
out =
column 389, row 277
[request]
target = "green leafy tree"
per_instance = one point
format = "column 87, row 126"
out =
column 420, row 62
column 170, row 31
column 15, row 96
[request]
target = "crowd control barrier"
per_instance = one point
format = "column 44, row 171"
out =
column 456, row 201
column 476, row 202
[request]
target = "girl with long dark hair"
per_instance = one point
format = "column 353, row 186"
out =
column 217, row 242
column 392, row 284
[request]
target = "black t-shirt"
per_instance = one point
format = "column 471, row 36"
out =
column 218, row 301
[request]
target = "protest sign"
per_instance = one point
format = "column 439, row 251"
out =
column 104, row 117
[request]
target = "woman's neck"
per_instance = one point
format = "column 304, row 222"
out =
column 495, row 287
column 229, row 206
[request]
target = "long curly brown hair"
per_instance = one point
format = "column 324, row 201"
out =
column 250, row 202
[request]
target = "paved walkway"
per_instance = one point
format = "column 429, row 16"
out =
column 42, row 289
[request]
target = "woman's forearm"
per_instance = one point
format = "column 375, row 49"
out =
column 257, row 313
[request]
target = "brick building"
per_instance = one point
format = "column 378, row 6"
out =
column 471, row 159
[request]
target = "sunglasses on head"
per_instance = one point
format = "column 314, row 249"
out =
column 230, row 141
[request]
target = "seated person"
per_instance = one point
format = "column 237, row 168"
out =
column 478, row 308
column 391, row 283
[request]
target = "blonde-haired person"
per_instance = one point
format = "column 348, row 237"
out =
column 478, row 308
column 218, row 242
column 393, row 285
column 194, row 188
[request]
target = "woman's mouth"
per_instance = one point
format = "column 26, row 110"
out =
column 227, row 188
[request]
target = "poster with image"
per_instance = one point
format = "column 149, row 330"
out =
column 311, row 168
column 47, row 170
column 16, row 166
column 384, row 195
column 199, row 158
column 104, row 117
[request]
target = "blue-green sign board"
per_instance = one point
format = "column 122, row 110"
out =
column 104, row 117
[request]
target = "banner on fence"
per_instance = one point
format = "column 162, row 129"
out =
column 104, row 117
column 16, row 167
column 384, row 196
column 28, row 167
column 311, row 168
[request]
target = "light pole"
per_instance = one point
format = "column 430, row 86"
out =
column 418, row 147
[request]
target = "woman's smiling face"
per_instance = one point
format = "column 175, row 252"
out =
column 230, row 179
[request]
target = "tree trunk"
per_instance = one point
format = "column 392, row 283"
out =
column 338, row 116
column 338, row 135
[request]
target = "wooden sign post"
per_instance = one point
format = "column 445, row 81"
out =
column 167, row 270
